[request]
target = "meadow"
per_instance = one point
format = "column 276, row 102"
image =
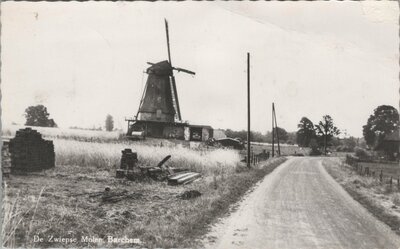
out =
column 66, row 133
column 108, row 156
column 60, row 201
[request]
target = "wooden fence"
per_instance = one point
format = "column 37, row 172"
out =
column 385, row 172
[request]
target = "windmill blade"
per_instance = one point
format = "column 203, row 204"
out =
column 184, row 70
column 175, row 97
column 169, row 52
column 173, row 83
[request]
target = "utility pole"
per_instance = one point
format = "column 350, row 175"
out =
column 248, row 111
column 325, row 131
column 273, row 132
column 276, row 129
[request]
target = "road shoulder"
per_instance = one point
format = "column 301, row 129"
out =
column 378, row 199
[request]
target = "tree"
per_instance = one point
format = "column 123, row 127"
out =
column 305, row 133
column 292, row 138
column 109, row 123
column 326, row 130
column 282, row 133
column 38, row 116
column 314, row 147
column 384, row 121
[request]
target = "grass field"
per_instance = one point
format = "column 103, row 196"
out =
column 58, row 203
column 380, row 198
column 75, row 134
column 286, row 149
column 107, row 156
column 388, row 169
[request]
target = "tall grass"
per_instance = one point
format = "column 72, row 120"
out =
column 17, row 219
column 77, row 134
column 107, row 155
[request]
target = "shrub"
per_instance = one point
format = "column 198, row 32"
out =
column 314, row 148
column 344, row 148
column 362, row 153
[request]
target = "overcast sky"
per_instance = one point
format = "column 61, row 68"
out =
column 85, row 60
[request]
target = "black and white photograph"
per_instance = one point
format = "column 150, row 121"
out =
column 200, row 124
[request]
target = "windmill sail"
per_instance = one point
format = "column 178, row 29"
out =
column 175, row 99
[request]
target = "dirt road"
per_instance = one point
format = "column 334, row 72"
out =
column 299, row 205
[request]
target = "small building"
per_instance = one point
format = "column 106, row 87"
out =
column 390, row 144
column 170, row 130
column 198, row 132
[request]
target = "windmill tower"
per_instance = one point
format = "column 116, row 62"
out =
column 159, row 105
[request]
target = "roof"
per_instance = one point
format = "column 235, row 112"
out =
column 162, row 68
column 200, row 126
column 170, row 123
column 157, row 122
column 394, row 136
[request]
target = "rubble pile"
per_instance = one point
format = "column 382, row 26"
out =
column 30, row 152
column 129, row 169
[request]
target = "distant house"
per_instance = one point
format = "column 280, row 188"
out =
column 390, row 144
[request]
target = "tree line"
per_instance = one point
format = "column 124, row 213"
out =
column 284, row 136
column 39, row 116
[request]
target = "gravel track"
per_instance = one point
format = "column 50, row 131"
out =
column 299, row 205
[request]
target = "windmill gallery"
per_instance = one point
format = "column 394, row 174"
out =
column 159, row 113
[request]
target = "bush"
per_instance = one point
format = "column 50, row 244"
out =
column 344, row 148
column 315, row 152
column 362, row 153
column 314, row 148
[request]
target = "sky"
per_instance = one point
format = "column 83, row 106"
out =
column 84, row 60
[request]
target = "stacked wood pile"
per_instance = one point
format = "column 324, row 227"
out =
column 5, row 159
column 183, row 178
column 30, row 152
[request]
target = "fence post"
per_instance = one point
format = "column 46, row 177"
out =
column 381, row 176
column 398, row 182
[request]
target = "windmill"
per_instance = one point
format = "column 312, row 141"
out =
column 160, row 98
column 159, row 113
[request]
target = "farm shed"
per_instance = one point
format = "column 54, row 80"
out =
column 172, row 130
column 157, row 129
column 200, row 132
column 390, row 144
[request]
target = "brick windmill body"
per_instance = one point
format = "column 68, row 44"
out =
column 159, row 111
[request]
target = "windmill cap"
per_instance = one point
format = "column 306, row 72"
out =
column 161, row 69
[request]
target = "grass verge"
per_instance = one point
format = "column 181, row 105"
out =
column 51, row 205
column 379, row 199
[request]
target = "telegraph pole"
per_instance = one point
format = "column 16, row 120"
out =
column 273, row 132
column 248, row 111
column 276, row 129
